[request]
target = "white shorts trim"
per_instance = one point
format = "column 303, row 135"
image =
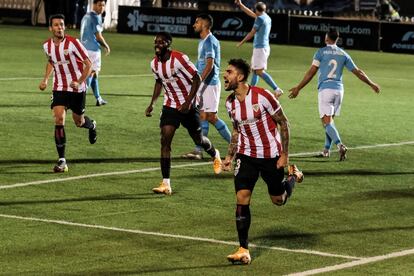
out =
column 330, row 101
column 208, row 97
column 259, row 58
column 95, row 58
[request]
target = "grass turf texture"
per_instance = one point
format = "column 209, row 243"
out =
column 362, row 207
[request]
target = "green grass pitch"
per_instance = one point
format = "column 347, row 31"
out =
column 111, row 224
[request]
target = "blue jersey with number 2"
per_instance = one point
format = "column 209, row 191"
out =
column 331, row 61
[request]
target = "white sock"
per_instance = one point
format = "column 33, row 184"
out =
column 166, row 181
column 62, row 159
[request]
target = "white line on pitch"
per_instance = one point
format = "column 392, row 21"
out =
column 40, row 182
column 183, row 237
column 354, row 263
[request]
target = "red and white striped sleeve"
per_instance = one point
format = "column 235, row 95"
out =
column 269, row 101
column 184, row 64
column 79, row 50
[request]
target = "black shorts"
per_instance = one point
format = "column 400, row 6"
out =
column 247, row 170
column 173, row 117
column 71, row 100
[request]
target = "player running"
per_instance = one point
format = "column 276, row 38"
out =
column 69, row 62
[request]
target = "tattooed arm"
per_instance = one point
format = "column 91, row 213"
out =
column 283, row 123
column 232, row 149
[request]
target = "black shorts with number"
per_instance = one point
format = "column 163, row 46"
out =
column 71, row 100
column 247, row 170
column 173, row 117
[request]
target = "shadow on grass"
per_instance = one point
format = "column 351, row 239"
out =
column 383, row 194
column 185, row 270
column 354, row 172
column 295, row 239
column 112, row 197
column 91, row 160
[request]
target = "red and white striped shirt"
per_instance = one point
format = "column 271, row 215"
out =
column 67, row 60
column 258, row 135
column 176, row 75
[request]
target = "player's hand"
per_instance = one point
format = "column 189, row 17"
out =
column 294, row 92
column 107, row 51
column 43, row 85
column 148, row 111
column 74, row 84
column 226, row 164
column 282, row 161
column 184, row 108
column 375, row 87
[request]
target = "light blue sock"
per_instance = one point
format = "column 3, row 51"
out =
column 88, row 82
column 204, row 129
column 254, row 80
column 268, row 79
column 224, row 131
column 95, row 87
column 328, row 141
column 333, row 133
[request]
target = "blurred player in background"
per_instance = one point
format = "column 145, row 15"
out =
column 174, row 72
column 69, row 62
column 257, row 148
column 208, row 95
column 92, row 39
column 261, row 48
column 330, row 61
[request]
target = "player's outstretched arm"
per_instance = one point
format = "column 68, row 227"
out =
column 294, row 92
column 280, row 118
column 363, row 77
column 245, row 9
column 155, row 95
column 48, row 72
column 249, row 36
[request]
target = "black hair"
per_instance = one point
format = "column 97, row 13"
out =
column 242, row 66
column 332, row 34
column 166, row 35
column 55, row 16
column 206, row 17
column 96, row 1
column 260, row 6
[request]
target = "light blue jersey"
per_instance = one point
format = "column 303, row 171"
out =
column 262, row 25
column 90, row 25
column 331, row 61
column 209, row 48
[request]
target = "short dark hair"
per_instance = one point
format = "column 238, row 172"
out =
column 242, row 66
column 166, row 35
column 260, row 6
column 56, row 16
column 332, row 34
column 207, row 18
column 96, row 1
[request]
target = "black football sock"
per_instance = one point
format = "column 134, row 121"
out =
column 208, row 146
column 243, row 224
column 60, row 140
column 289, row 184
column 88, row 123
column 165, row 167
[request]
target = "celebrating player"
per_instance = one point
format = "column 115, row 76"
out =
column 174, row 72
column 256, row 114
column 330, row 61
column 69, row 62
column 92, row 39
column 261, row 48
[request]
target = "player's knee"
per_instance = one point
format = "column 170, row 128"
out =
column 278, row 200
column 79, row 123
